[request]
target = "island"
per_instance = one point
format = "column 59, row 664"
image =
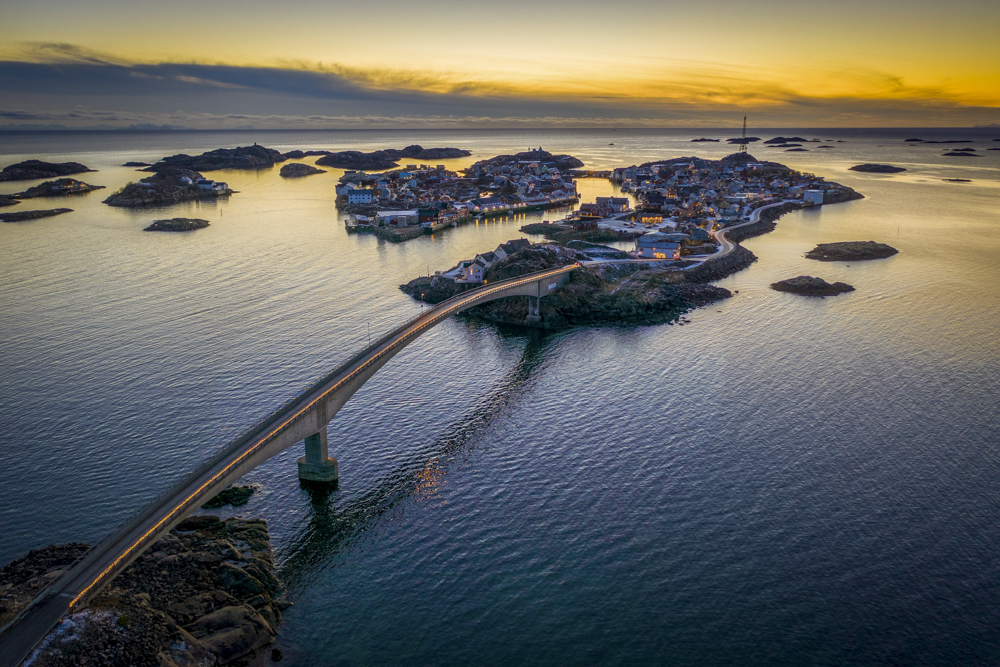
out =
column 243, row 157
column 851, row 251
column 205, row 594
column 786, row 140
column 606, row 293
column 388, row 158
column 705, row 139
column 170, row 186
column 810, row 286
column 403, row 204
column 6, row 200
column 956, row 180
column 136, row 164
column 177, row 225
column 961, row 153
column 877, row 168
column 62, row 187
column 32, row 169
column 299, row 169
column 23, row 216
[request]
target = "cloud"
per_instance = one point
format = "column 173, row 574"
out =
column 300, row 94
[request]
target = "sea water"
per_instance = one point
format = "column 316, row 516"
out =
column 785, row 480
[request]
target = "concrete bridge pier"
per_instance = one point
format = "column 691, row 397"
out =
column 316, row 465
column 533, row 313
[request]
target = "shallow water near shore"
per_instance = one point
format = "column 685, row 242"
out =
column 786, row 480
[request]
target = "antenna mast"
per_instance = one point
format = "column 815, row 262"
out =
column 743, row 140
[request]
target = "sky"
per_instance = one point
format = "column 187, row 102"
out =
column 513, row 63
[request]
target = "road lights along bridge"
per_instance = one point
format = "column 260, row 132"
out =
column 304, row 418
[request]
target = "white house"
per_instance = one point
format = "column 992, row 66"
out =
column 360, row 196
column 813, row 197
column 398, row 218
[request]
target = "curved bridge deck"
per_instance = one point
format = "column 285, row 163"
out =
column 305, row 415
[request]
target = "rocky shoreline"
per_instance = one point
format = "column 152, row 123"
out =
column 206, row 594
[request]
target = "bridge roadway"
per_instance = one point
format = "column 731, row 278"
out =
column 305, row 416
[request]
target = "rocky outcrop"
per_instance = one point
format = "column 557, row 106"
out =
column 25, row 578
column 851, row 251
column 786, row 140
column 959, row 154
column 594, row 295
column 386, row 159
column 766, row 223
column 810, row 286
column 234, row 495
column 22, row 216
column 204, row 595
column 58, row 188
column 299, row 169
column 136, row 164
column 704, row 139
column 720, row 267
column 8, row 201
column 877, row 168
column 31, row 169
column 177, row 225
column 562, row 162
column 244, row 157
column 170, row 186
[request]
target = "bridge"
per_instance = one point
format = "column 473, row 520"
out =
column 304, row 418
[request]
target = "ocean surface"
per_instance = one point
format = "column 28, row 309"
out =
column 783, row 481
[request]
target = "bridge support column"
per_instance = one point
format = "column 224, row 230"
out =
column 533, row 313
column 316, row 465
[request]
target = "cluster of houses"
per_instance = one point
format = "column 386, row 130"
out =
column 725, row 191
column 434, row 196
column 473, row 271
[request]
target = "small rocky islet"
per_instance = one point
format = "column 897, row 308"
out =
column 177, row 225
column 811, row 286
column 205, row 594
column 384, row 159
column 24, row 216
column 172, row 185
column 32, row 169
column 242, row 157
column 877, row 168
column 62, row 187
column 234, row 496
column 298, row 170
column 851, row 251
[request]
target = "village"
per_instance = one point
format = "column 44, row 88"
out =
column 671, row 208
column 408, row 202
